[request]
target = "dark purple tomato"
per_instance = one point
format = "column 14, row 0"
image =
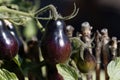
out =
column 8, row 43
column 52, row 73
column 13, row 31
column 55, row 45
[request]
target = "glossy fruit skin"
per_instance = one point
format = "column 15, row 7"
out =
column 55, row 45
column 8, row 43
column 88, row 64
column 13, row 31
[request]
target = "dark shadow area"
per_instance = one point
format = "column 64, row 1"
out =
column 98, row 16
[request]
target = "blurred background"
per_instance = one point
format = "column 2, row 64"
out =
column 99, row 13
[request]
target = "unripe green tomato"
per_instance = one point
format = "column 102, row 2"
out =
column 87, row 64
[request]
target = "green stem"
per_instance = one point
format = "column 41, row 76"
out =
column 73, row 14
column 5, row 9
column 49, row 7
column 43, row 18
column 40, row 26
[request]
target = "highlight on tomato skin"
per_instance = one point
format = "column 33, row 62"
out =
column 13, row 31
column 55, row 45
column 8, row 43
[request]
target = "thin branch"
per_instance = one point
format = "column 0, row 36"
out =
column 113, row 47
column 49, row 7
column 86, row 37
column 98, row 54
column 5, row 9
column 105, row 50
column 73, row 14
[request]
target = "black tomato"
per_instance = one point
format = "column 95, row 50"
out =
column 8, row 43
column 55, row 45
column 13, row 31
column 19, row 39
column 52, row 73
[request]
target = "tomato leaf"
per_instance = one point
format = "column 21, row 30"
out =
column 17, row 60
column 113, row 69
column 67, row 72
column 6, row 75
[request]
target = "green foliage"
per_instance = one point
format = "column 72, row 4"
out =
column 67, row 72
column 24, row 13
column 114, row 69
column 6, row 75
column 17, row 60
column 75, row 42
column 30, row 29
column 77, row 48
column 6, row 1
